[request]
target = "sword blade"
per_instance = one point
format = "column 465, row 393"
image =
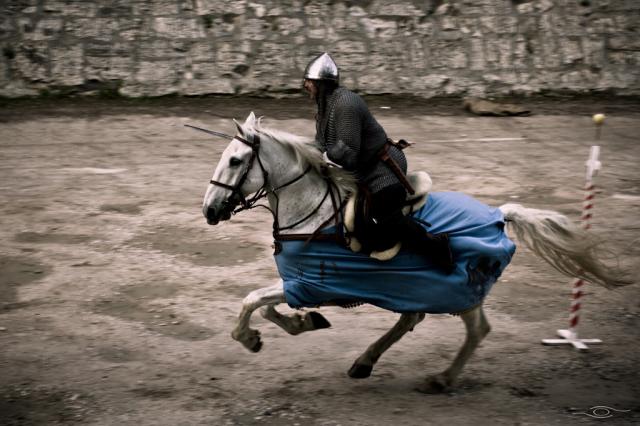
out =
column 211, row 132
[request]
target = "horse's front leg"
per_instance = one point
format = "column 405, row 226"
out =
column 477, row 328
column 296, row 323
column 249, row 337
column 363, row 366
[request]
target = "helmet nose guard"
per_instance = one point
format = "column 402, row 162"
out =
column 322, row 67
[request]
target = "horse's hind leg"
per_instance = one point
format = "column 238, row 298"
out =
column 249, row 337
column 296, row 323
column 363, row 366
column 477, row 328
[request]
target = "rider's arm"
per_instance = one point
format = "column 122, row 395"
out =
column 348, row 137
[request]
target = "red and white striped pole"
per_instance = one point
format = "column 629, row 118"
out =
column 593, row 165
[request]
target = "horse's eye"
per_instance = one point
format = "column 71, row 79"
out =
column 235, row 162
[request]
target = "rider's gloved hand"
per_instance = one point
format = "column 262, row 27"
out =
column 326, row 159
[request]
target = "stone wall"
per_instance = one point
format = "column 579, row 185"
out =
column 427, row 48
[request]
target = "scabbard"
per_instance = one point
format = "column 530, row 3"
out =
column 395, row 168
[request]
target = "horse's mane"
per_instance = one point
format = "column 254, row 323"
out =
column 306, row 152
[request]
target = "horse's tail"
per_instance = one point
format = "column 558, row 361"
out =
column 564, row 245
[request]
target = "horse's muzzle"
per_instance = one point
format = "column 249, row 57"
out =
column 210, row 214
column 214, row 216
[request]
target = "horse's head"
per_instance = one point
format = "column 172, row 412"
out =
column 238, row 174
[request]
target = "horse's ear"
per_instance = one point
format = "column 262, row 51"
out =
column 251, row 119
column 239, row 126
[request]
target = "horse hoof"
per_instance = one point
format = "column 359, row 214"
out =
column 360, row 371
column 256, row 346
column 318, row 320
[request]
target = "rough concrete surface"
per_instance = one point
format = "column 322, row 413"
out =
column 117, row 300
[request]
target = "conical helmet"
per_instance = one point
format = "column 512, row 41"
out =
column 322, row 67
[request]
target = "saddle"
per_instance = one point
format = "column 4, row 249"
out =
column 419, row 181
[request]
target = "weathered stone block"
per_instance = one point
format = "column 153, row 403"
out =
column 316, row 28
column 594, row 51
column 161, row 49
column 424, row 27
column 448, row 55
column 78, row 8
column 164, row 8
column 275, row 57
column 18, row 89
column 433, row 81
column 134, row 28
column 177, row 28
column 8, row 28
column 221, row 7
column 520, row 53
column 46, row 29
column 498, row 51
column 317, row 8
column 573, row 25
column 109, row 69
column 629, row 22
column 209, row 85
column 624, row 42
column 476, row 54
column 31, row 62
column 551, row 52
column 379, row 28
column 571, row 51
column 395, row 9
column 231, row 60
column 488, row 24
column 255, row 29
column 201, row 51
column 286, row 26
column 157, row 71
column 535, row 6
column 66, row 66
column 506, row 24
column 258, row 10
column 4, row 73
column 601, row 25
column 549, row 23
column 103, row 29
column 449, row 23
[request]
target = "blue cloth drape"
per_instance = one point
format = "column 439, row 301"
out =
column 323, row 271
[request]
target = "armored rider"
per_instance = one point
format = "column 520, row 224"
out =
column 350, row 137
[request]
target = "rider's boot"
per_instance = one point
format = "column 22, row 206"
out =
column 433, row 246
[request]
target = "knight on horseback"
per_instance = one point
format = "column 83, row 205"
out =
column 351, row 138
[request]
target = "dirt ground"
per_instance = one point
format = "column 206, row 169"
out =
column 117, row 299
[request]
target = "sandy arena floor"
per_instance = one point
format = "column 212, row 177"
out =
column 117, row 299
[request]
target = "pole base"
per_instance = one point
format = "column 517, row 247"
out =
column 570, row 337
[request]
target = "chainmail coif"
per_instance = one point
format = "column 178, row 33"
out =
column 352, row 137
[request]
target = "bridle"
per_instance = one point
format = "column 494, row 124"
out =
column 237, row 197
column 236, row 193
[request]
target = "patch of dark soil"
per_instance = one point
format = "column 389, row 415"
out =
column 51, row 238
column 196, row 246
column 116, row 354
column 17, row 271
column 25, row 405
column 132, row 304
column 132, row 209
column 154, row 392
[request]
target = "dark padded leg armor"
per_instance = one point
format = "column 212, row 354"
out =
column 393, row 226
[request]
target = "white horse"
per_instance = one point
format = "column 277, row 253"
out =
column 305, row 198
